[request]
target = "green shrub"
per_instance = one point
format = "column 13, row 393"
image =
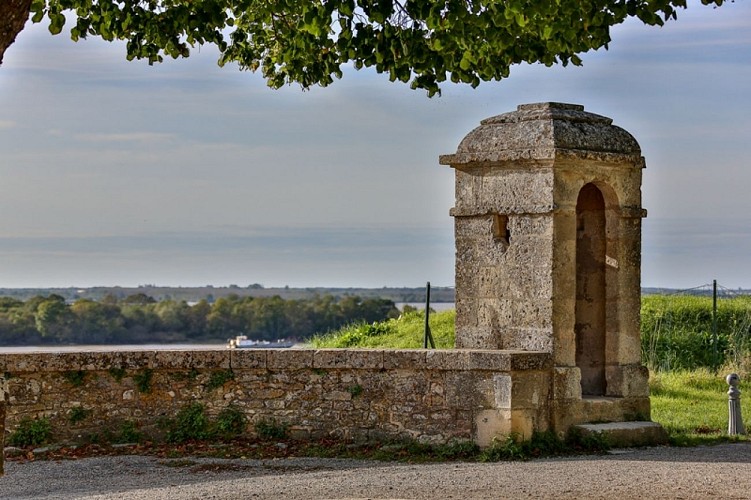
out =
column 270, row 429
column 230, row 422
column 143, row 380
column 219, row 378
column 77, row 414
column 117, row 374
column 190, row 423
column 355, row 390
column 31, row 432
column 128, row 433
column 75, row 378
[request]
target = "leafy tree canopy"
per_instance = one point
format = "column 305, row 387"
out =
column 424, row 42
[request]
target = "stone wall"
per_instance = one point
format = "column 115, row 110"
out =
column 2, row 421
column 429, row 395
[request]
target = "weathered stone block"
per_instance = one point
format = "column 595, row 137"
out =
column 476, row 337
column 461, row 391
column 516, row 191
column 525, row 360
column 529, row 389
column 331, row 358
column 371, row 359
column 487, row 282
column 412, row 359
column 289, row 359
column 529, row 339
column 523, row 423
column 529, row 252
column 625, row 434
column 631, row 381
column 530, row 283
column 530, row 225
column 466, row 312
column 490, row 425
column 532, row 313
column 502, row 385
column 567, row 383
column 441, row 359
column 472, row 228
column 245, row 359
column 488, row 360
column 467, row 278
column 199, row 360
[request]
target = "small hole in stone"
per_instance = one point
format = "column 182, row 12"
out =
column 501, row 232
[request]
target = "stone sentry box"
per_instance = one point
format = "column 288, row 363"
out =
column 548, row 243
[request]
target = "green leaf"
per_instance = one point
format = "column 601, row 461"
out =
column 57, row 21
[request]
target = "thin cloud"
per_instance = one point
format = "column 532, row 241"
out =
column 7, row 124
column 127, row 137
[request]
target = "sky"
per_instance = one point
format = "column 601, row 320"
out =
column 183, row 173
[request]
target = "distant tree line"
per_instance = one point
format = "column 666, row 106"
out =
column 212, row 293
column 138, row 318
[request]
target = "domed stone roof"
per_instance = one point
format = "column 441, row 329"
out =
column 544, row 131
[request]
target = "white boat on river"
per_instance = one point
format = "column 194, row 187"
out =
column 242, row 342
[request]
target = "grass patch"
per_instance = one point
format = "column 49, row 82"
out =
column 405, row 332
column 693, row 406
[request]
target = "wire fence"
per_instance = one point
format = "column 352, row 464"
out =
column 703, row 326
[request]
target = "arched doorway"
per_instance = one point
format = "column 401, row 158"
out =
column 591, row 295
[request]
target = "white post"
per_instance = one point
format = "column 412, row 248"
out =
column 735, row 420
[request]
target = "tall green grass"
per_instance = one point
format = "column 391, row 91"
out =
column 405, row 332
column 676, row 332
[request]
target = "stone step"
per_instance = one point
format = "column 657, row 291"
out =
column 626, row 434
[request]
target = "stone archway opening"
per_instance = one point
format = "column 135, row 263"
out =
column 591, row 292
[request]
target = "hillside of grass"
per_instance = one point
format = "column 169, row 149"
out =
column 405, row 332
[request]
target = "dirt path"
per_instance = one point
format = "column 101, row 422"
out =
column 722, row 471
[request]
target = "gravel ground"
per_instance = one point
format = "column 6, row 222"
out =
column 722, row 471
